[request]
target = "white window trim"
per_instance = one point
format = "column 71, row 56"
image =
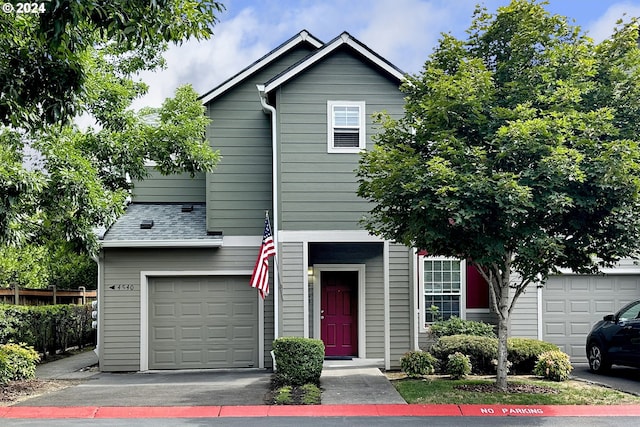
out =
column 362, row 134
column 463, row 289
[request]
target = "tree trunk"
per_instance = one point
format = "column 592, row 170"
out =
column 503, row 328
column 503, row 367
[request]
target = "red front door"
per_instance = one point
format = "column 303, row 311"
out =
column 339, row 312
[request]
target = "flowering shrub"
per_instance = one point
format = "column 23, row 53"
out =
column 553, row 365
column 417, row 363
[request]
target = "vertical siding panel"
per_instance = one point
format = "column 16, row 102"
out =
column 399, row 302
column 524, row 318
column 291, row 273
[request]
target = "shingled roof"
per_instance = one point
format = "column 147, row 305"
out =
column 173, row 226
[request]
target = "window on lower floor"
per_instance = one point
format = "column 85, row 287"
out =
column 442, row 285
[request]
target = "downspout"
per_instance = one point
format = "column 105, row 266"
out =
column 99, row 289
column 274, row 190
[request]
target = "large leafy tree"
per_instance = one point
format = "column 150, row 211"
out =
column 81, row 57
column 518, row 151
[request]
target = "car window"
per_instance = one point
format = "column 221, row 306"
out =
column 632, row 312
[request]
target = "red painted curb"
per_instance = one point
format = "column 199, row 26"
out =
column 549, row 411
column 244, row 411
column 115, row 412
column 158, row 412
column 39, row 412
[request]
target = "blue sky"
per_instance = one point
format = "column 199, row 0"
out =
column 402, row 31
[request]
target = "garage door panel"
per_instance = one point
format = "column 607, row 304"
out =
column 202, row 322
column 572, row 304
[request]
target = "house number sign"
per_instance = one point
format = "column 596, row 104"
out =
column 122, row 287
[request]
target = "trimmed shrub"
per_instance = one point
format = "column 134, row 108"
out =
column 456, row 326
column 553, row 365
column 298, row 360
column 481, row 350
column 458, row 366
column 524, row 352
column 17, row 362
column 48, row 328
column 418, row 363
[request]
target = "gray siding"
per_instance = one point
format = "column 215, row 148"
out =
column 318, row 189
column 292, row 272
column 400, row 288
column 239, row 190
column 119, row 340
column 177, row 188
column 524, row 318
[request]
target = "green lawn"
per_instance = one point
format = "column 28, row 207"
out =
column 441, row 390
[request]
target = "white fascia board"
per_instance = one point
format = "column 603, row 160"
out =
column 326, row 50
column 162, row 243
column 624, row 266
column 332, row 236
column 301, row 37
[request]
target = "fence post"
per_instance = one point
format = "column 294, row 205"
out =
column 82, row 296
column 54, row 293
column 16, row 294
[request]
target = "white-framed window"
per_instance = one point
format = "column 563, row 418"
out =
column 442, row 284
column 346, row 126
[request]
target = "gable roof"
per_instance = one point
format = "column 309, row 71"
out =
column 303, row 37
column 344, row 39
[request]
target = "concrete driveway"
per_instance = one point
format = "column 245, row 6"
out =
column 619, row 377
column 184, row 388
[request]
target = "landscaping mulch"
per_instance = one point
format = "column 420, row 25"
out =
column 511, row 388
column 17, row 391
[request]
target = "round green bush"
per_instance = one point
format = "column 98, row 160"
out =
column 298, row 360
column 553, row 365
column 418, row 363
column 458, row 366
column 524, row 352
column 481, row 350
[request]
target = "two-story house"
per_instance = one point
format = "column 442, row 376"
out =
column 174, row 271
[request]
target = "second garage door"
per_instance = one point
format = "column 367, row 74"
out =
column 572, row 304
column 202, row 323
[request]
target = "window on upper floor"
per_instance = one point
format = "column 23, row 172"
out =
column 346, row 126
column 442, row 284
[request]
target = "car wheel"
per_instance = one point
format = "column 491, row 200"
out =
column 597, row 361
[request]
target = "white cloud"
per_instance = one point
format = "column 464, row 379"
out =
column 205, row 64
column 603, row 27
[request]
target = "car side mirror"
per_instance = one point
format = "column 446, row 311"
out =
column 609, row 318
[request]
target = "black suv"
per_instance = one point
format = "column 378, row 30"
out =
column 615, row 340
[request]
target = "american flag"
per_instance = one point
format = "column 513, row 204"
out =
column 260, row 276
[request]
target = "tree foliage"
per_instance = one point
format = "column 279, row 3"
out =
column 43, row 69
column 58, row 183
column 518, row 151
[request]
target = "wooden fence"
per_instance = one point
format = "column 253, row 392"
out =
column 22, row 296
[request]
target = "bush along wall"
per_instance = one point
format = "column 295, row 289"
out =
column 298, row 360
column 482, row 352
column 48, row 329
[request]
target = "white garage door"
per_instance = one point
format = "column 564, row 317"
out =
column 202, row 322
column 572, row 304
